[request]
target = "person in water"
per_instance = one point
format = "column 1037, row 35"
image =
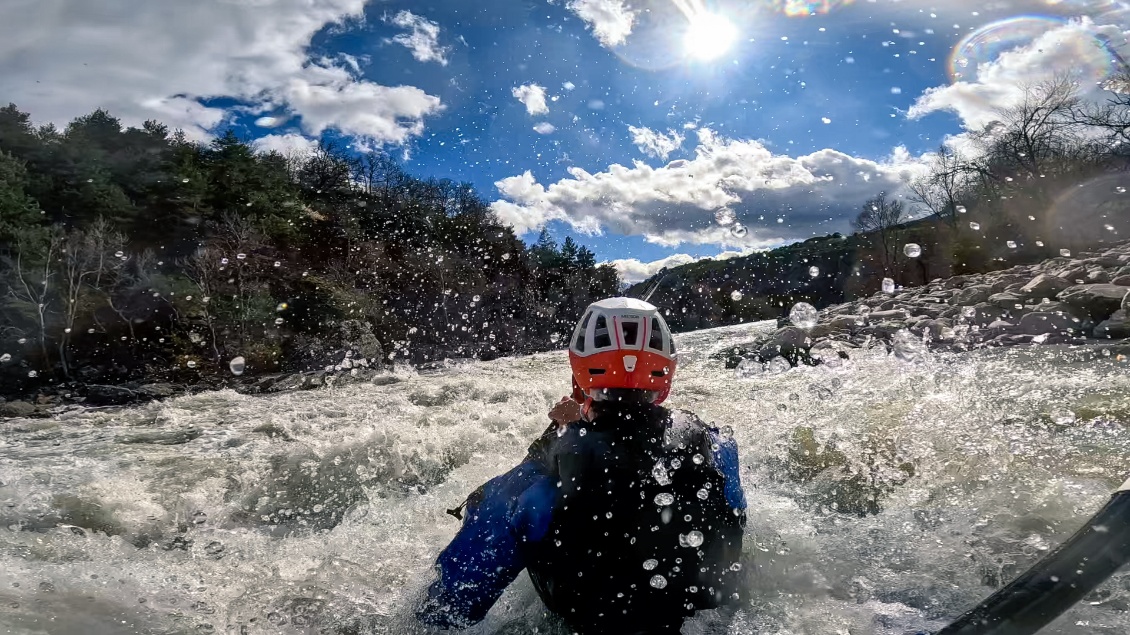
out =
column 627, row 516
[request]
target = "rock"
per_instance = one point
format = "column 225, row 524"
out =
column 1074, row 274
column 955, row 282
column 1006, row 300
column 883, row 316
column 1043, row 323
column 157, row 391
column 1098, row 276
column 163, row 437
column 972, row 295
column 846, row 322
column 1100, row 301
column 1115, row 327
column 1044, row 286
column 1122, row 281
column 17, row 409
column 101, row 395
column 985, row 314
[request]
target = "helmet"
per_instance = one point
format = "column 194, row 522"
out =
column 622, row 344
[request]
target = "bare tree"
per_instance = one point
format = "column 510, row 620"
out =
column 89, row 261
column 31, row 277
column 941, row 190
column 880, row 216
column 1030, row 137
column 203, row 268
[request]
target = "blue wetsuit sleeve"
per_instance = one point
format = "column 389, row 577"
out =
column 486, row 554
column 726, row 459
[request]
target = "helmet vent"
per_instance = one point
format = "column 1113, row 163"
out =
column 630, row 363
column 658, row 373
column 596, row 371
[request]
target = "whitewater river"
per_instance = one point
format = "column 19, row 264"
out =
column 322, row 511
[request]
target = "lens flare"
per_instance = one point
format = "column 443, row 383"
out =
column 803, row 8
column 1091, row 57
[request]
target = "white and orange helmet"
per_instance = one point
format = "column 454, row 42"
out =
column 622, row 343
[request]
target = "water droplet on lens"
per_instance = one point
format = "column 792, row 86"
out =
column 1066, row 253
column 907, row 347
column 739, row 230
column 279, row 320
column 961, row 209
column 814, row 272
column 658, row 581
column 6, row 357
column 664, row 499
column 32, row 373
column 241, row 256
column 583, row 431
column 749, row 368
column 698, row 459
column 1011, row 244
column 974, row 226
column 1063, row 417
column 191, row 364
column 736, row 296
column 694, row 539
column 888, row 285
column 912, row 250
column 702, row 494
column 278, row 264
column 649, row 565
column 22, row 340
column 477, row 298
column 1039, row 243
column 803, row 315
column 119, row 254
column 237, row 365
column 659, row 473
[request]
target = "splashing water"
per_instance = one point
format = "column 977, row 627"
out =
column 323, row 510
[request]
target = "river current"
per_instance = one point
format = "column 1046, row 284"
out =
column 884, row 495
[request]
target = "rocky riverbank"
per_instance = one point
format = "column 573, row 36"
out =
column 1072, row 299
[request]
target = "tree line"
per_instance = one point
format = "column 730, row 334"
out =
column 134, row 253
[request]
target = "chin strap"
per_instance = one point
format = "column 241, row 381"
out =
column 586, row 408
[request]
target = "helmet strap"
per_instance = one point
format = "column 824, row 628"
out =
column 586, row 409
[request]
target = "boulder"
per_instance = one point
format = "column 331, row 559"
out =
column 1074, row 275
column 101, row 395
column 157, row 391
column 972, row 295
column 1006, row 300
column 1116, row 327
column 1044, row 286
column 1122, row 281
column 883, row 316
column 16, row 409
column 846, row 322
column 1098, row 276
column 1099, row 301
column 1040, row 323
column 955, row 282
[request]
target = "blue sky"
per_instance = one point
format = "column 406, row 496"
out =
column 813, row 108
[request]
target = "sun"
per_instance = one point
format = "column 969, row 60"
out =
column 709, row 36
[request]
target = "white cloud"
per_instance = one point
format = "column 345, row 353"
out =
column 160, row 60
column 289, row 144
column 1069, row 49
column 532, row 97
column 545, row 128
column 675, row 204
column 611, row 21
column 423, row 40
column 632, row 270
column 656, row 144
column 268, row 122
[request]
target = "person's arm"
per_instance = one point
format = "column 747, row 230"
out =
column 485, row 555
column 725, row 450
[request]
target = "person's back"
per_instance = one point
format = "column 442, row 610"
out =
column 627, row 516
column 643, row 533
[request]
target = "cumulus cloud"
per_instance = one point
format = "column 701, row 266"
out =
column 532, row 97
column 632, row 270
column 545, row 128
column 422, row 39
column 656, row 144
column 1071, row 49
column 676, row 203
column 289, row 144
column 611, row 21
column 91, row 55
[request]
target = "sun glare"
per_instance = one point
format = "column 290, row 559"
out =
column 709, row 36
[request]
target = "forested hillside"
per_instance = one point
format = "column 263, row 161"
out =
column 130, row 253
